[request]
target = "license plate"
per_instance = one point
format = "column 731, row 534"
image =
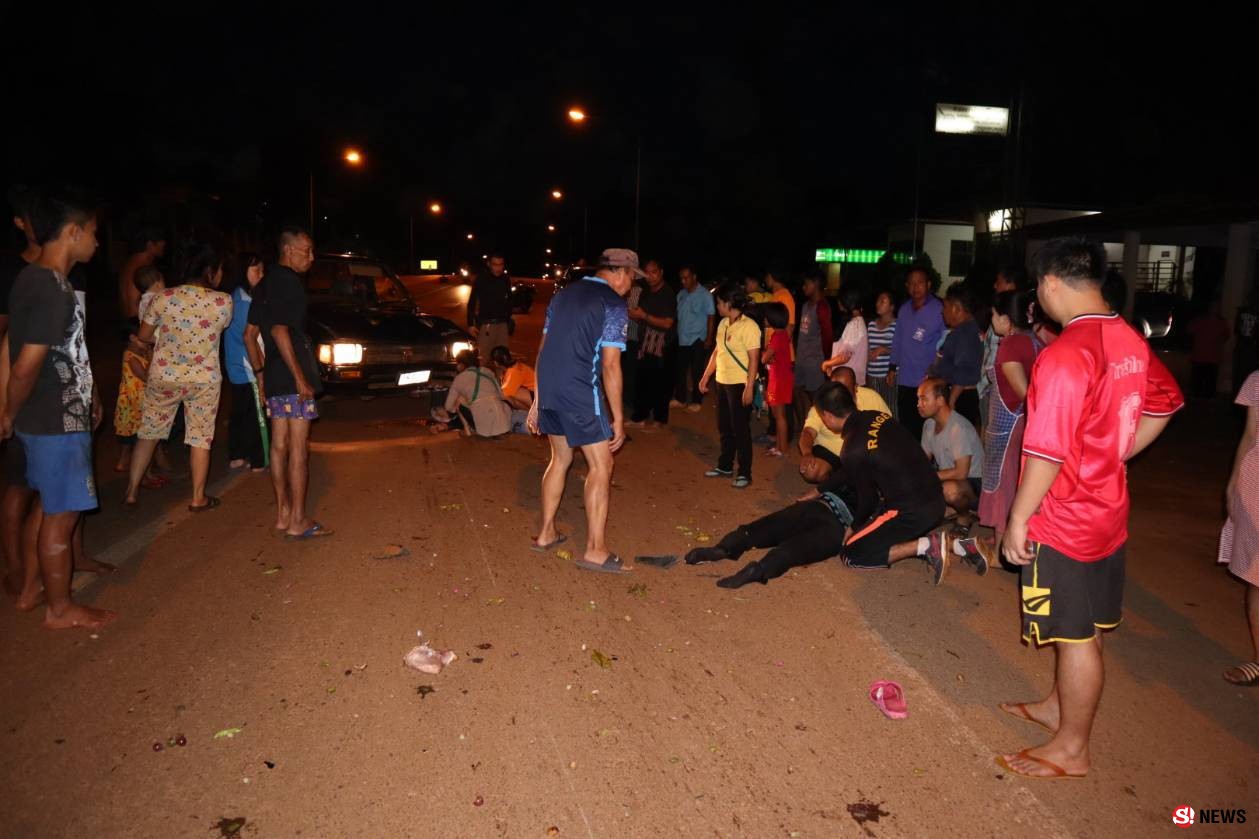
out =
column 418, row 377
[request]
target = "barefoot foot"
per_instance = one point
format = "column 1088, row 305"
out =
column 79, row 617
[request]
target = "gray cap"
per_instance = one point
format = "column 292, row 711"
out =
column 621, row 258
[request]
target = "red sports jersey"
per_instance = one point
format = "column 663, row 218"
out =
column 1088, row 391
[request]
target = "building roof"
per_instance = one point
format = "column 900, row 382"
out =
column 1200, row 223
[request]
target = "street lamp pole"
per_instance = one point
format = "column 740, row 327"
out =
column 577, row 116
column 351, row 156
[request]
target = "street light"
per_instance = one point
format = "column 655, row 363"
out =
column 352, row 156
column 548, row 250
column 435, row 208
column 577, row 116
column 470, row 237
column 550, row 228
column 556, row 194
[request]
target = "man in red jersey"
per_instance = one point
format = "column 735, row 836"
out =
column 1098, row 396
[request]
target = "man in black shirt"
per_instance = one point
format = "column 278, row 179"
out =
column 656, row 315
column 489, row 307
column 876, row 509
column 289, row 380
column 51, row 402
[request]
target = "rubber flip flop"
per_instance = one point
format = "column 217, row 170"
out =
column 210, row 503
column 1018, row 710
column 541, row 549
column 611, row 565
column 1249, row 672
column 1059, row 774
column 315, row 531
column 889, row 698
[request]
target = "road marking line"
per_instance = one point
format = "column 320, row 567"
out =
column 567, row 779
column 141, row 537
column 480, row 544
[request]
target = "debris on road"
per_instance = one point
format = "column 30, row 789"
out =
column 638, row 589
column 392, row 552
column 565, row 554
column 229, row 733
column 425, row 690
column 229, row 827
column 602, row 659
column 428, row 660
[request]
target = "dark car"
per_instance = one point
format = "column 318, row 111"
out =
column 368, row 332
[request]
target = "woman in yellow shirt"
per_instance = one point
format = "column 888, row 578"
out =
column 734, row 362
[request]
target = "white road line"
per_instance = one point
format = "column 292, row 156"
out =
column 140, row 538
column 480, row 544
column 567, row 778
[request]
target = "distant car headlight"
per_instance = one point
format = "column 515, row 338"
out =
column 457, row 347
column 338, row 355
column 463, row 272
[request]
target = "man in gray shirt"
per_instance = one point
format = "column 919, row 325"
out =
column 953, row 445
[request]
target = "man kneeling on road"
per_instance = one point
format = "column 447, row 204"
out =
column 883, row 478
column 820, row 447
column 953, row 445
column 581, row 347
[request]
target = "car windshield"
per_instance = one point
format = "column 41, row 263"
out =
column 359, row 282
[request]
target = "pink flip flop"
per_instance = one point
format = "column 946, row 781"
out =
column 889, row 698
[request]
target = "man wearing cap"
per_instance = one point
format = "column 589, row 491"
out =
column 579, row 385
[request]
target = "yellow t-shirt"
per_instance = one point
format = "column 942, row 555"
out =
column 867, row 400
column 760, row 297
column 741, row 336
column 519, row 375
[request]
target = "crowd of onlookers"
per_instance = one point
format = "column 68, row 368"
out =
column 183, row 327
column 1014, row 407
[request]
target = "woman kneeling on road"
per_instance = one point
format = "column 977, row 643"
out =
column 475, row 402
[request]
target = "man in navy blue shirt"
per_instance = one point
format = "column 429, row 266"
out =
column 579, row 364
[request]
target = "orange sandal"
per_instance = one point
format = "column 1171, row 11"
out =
column 1058, row 772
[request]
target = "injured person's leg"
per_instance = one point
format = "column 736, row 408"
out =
column 804, row 533
column 731, row 546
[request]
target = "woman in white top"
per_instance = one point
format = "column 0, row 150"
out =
column 475, row 402
column 852, row 349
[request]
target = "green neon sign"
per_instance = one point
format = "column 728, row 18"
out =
column 862, row 256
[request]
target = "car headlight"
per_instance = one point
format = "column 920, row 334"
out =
column 457, row 347
column 339, row 354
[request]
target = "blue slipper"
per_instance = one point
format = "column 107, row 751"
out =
column 315, row 531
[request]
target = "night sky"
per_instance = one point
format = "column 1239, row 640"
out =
column 762, row 135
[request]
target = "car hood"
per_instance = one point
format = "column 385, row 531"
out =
column 396, row 324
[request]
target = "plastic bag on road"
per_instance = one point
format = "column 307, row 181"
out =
column 428, row 660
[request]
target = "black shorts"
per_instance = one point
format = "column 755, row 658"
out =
column 869, row 544
column 1068, row 600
